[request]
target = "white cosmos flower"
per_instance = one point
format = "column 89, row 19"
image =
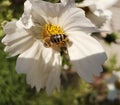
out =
column 113, row 84
column 99, row 12
column 42, row 65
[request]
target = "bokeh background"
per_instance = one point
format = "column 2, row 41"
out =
column 74, row 91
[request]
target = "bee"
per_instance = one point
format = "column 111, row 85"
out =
column 55, row 40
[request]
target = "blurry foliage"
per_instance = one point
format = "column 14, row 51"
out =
column 9, row 11
column 13, row 87
column 78, row 1
column 111, row 64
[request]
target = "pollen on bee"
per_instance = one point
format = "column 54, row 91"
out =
column 53, row 36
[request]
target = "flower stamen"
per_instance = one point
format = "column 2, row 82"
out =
column 53, row 36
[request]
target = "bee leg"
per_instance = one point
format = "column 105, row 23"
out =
column 47, row 45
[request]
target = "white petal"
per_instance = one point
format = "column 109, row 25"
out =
column 111, row 86
column 54, row 76
column 48, row 11
column 46, row 54
column 87, row 55
column 73, row 19
column 26, row 18
column 99, row 17
column 16, row 40
column 84, row 44
column 39, row 73
column 10, row 27
column 32, row 64
column 38, row 19
column 11, row 38
column 102, row 4
column 115, row 18
column 32, row 53
column 107, row 3
column 18, row 47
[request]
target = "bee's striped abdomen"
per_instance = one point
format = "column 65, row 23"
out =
column 57, row 38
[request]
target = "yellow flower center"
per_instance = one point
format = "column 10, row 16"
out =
column 51, row 29
column 53, row 36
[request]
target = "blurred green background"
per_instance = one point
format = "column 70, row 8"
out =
column 74, row 91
